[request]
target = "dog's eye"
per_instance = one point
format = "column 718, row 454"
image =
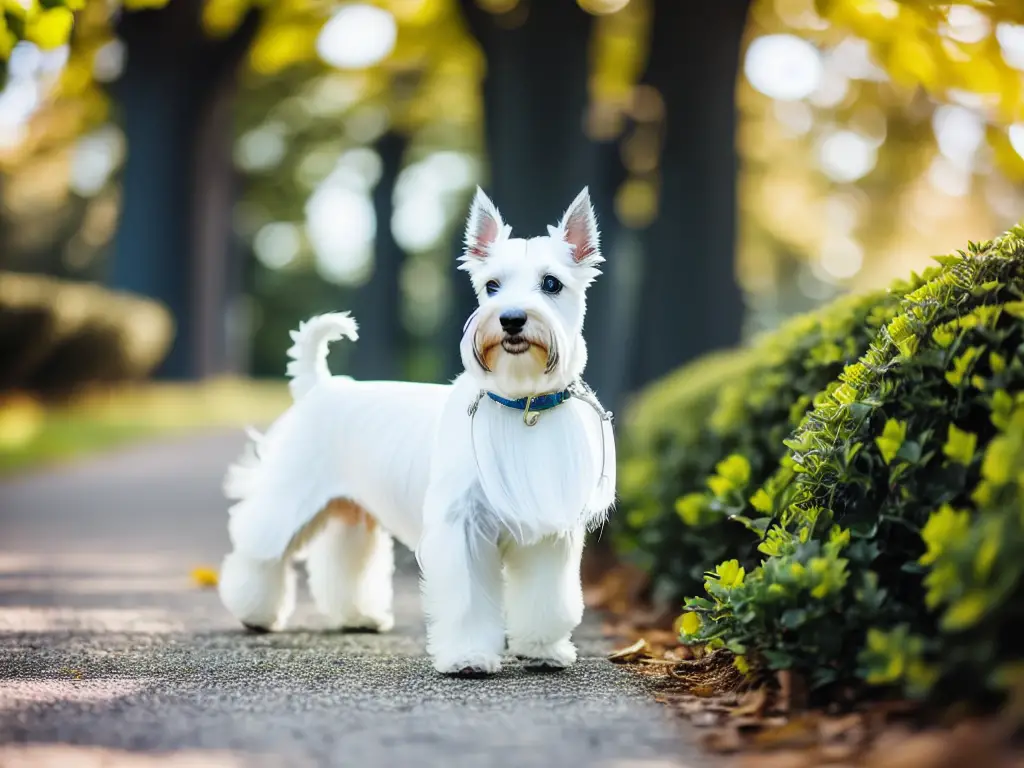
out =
column 492, row 287
column 550, row 284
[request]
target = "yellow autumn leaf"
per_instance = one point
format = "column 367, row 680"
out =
column 205, row 577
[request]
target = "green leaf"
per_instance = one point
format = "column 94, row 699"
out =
column 997, row 466
column 777, row 659
column 965, row 612
column 960, row 445
column 891, row 440
column 761, row 501
column 793, row 618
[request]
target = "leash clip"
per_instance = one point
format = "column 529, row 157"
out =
column 530, row 418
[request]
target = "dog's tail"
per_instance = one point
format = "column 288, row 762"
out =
column 308, row 353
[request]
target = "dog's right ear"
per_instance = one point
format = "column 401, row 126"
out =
column 484, row 227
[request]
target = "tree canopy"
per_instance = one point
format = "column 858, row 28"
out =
column 869, row 129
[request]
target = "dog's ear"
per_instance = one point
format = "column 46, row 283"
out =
column 484, row 227
column 578, row 228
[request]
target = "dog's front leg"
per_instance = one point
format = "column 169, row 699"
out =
column 462, row 597
column 544, row 600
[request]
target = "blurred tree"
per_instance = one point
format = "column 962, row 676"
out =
column 377, row 305
column 690, row 300
column 174, row 237
column 634, row 97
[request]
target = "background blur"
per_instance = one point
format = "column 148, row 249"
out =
column 185, row 180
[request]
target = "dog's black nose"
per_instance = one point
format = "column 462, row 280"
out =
column 512, row 321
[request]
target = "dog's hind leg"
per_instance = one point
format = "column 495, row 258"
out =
column 544, row 600
column 259, row 593
column 351, row 566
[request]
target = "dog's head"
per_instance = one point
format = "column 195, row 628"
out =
column 526, row 338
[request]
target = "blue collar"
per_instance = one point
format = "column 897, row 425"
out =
column 535, row 403
column 532, row 406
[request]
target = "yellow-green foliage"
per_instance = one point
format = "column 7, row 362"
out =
column 698, row 439
column 893, row 528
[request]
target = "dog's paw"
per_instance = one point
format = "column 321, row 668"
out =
column 470, row 665
column 383, row 622
column 545, row 657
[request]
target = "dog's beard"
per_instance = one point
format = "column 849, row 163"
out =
column 521, row 350
column 532, row 353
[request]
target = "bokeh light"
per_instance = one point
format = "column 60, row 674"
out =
column 341, row 225
column 846, row 156
column 783, row 67
column 357, row 36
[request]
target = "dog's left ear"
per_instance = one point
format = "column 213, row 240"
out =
column 578, row 228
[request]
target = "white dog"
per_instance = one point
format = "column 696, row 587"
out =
column 493, row 480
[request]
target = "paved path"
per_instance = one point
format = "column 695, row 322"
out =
column 109, row 656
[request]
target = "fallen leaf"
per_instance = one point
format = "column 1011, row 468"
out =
column 923, row 750
column 802, row 731
column 752, row 703
column 787, row 759
column 852, row 727
column 682, row 653
column 204, row 577
column 662, row 637
column 636, row 652
column 722, row 740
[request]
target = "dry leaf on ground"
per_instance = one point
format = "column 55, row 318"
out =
column 204, row 577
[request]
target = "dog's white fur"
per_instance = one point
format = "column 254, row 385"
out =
column 496, row 510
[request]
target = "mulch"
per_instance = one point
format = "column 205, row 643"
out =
column 765, row 721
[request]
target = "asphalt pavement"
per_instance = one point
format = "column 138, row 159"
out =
column 110, row 655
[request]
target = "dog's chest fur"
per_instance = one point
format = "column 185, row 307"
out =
column 529, row 481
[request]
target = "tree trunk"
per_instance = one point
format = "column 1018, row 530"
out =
column 535, row 101
column 690, row 302
column 382, row 349
column 606, row 319
column 174, row 235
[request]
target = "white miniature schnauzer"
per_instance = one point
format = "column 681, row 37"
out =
column 493, row 480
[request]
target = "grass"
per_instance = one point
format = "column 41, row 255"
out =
column 32, row 435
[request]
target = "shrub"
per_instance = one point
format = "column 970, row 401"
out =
column 697, row 438
column 893, row 528
column 57, row 336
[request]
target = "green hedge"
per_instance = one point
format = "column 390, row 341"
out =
column 693, row 440
column 892, row 528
